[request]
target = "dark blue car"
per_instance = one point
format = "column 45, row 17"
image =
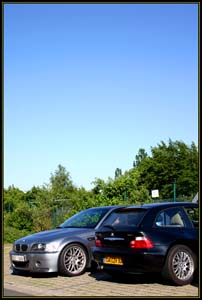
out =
column 158, row 237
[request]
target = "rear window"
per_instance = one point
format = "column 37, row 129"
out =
column 125, row 217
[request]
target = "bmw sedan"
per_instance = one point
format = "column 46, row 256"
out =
column 158, row 237
column 66, row 249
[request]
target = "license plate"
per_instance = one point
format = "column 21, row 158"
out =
column 113, row 260
column 18, row 258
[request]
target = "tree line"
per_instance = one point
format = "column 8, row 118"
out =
column 47, row 206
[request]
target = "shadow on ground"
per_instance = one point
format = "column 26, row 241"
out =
column 34, row 275
column 149, row 278
column 127, row 278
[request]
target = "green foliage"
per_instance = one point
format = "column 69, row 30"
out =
column 61, row 184
column 39, row 196
column 42, row 218
column 122, row 190
column 20, row 218
column 80, row 200
column 142, row 154
column 12, row 197
column 10, row 234
column 118, row 173
column 168, row 163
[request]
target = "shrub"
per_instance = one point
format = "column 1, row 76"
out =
column 11, row 234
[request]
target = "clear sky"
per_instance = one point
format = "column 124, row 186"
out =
column 87, row 85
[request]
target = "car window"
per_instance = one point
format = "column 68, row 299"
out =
column 193, row 215
column 172, row 217
column 86, row 219
column 125, row 217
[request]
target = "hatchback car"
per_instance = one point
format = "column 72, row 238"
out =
column 158, row 237
column 66, row 249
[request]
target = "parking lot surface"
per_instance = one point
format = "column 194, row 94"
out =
column 92, row 284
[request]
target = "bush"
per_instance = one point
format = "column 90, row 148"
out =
column 11, row 234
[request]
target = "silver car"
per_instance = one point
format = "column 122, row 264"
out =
column 66, row 249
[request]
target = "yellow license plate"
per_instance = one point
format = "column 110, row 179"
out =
column 113, row 260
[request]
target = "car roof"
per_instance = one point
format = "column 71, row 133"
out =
column 165, row 204
column 107, row 206
column 150, row 205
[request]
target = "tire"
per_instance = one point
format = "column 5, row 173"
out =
column 180, row 265
column 73, row 260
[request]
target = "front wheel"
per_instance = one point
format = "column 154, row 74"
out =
column 180, row 265
column 73, row 260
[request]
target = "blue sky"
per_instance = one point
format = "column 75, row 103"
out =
column 87, row 85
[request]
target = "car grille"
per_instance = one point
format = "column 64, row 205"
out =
column 21, row 247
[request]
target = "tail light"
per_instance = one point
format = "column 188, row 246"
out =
column 141, row 243
column 98, row 243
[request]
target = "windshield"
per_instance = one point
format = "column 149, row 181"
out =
column 88, row 218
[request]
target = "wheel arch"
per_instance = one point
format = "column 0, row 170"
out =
column 188, row 243
column 183, row 274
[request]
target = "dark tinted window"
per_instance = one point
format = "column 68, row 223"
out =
column 173, row 217
column 193, row 215
column 125, row 217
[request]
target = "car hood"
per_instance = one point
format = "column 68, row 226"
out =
column 54, row 234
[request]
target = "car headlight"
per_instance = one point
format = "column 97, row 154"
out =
column 43, row 247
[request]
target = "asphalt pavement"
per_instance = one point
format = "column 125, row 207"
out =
column 14, row 293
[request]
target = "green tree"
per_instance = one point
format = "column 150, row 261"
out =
column 142, row 154
column 169, row 163
column 42, row 204
column 12, row 197
column 118, row 173
column 20, row 218
column 123, row 189
column 61, row 184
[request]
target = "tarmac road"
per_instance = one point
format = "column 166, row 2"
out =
column 14, row 293
column 90, row 284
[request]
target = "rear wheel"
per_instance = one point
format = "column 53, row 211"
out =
column 180, row 265
column 73, row 260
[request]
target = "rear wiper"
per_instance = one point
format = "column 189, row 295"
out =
column 109, row 226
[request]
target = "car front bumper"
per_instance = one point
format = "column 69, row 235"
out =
column 34, row 262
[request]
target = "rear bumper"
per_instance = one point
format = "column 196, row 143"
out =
column 132, row 262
